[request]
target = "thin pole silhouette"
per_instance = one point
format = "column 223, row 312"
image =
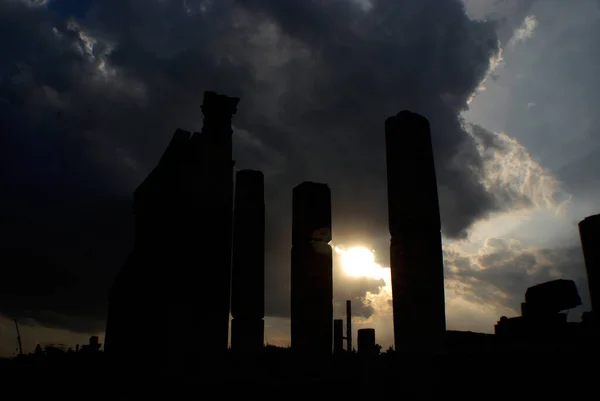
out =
column 19, row 337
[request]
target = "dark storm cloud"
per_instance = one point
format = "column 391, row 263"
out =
column 502, row 271
column 58, row 274
column 84, row 122
column 426, row 56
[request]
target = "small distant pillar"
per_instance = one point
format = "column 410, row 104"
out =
column 349, row 325
column 338, row 336
column 366, row 342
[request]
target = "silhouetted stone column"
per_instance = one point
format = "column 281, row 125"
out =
column 208, row 241
column 416, row 247
column 312, row 270
column 366, row 342
column 589, row 232
column 338, row 336
column 248, row 263
column 349, row 325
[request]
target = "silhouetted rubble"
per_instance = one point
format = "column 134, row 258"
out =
column 543, row 320
column 550, row 298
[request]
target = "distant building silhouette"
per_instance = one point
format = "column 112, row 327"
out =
column 366, row 342
column 414, row 221
column 176, row 281
column 312, row 270
column 589, row 232
column 248, row 263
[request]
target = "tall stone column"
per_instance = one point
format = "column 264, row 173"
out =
column 248, row 263
column 312, row 270
column 416, row 256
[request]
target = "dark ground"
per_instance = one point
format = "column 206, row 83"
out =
column 511, row 371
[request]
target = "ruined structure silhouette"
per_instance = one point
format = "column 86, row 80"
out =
column 248, row 263
column 183, row 219
column 416, row 245
column 180, row 263
column 311, row 270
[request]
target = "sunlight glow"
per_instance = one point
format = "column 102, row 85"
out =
column 360, row 262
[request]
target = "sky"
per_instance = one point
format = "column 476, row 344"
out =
column 91, row 92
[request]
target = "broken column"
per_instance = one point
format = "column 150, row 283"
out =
column 182, row 251
column 416, row 246
column 311, row 270
column 248, row 263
